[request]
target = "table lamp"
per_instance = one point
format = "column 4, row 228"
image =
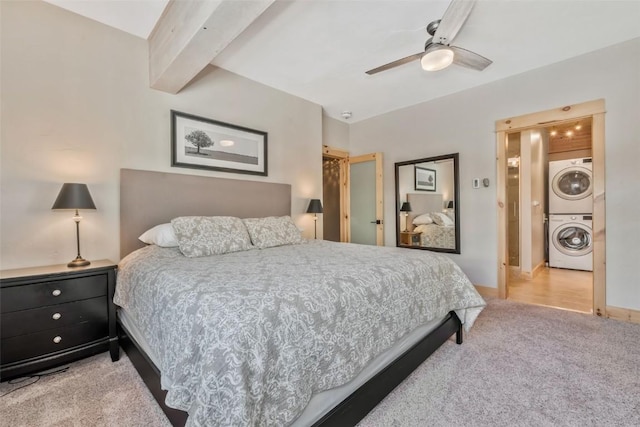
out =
column 75, row 196
column 406, row 208
column 315, row 207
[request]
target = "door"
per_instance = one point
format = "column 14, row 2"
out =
column 572, row 183
column 366, row 223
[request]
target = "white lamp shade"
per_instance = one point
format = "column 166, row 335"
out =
column 436, row 59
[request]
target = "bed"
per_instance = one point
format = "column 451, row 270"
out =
column 280, row 372
column 432, row 235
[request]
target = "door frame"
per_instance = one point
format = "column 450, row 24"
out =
column 596, row 110
column 343, row 157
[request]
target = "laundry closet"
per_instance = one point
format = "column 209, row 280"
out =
column 550, row 205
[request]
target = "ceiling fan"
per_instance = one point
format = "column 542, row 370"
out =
column 438, row 52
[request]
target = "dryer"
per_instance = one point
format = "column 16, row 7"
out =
column 571, row 186
column 571, row 242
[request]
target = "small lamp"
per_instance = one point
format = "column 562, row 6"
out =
column 315, row 207
column 406, row 208
column 450, row 204
column 75, row 196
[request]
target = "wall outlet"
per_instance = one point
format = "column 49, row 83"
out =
column 476, row 183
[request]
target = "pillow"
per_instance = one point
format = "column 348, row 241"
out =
column 210, row 235
column 441, row 219
column 160, row 235
column 422, row 219
column 421, row 228
column 273, row 231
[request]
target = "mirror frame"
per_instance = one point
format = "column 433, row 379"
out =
column 456, row 201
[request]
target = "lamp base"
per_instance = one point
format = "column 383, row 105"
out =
column 78, row 262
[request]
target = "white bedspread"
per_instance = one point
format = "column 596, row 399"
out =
column 246, row 338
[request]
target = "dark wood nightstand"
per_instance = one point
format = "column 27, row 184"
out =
column 410, row 238
column 55, row 314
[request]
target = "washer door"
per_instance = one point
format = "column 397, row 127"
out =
column 573, row 183
column 572, row 239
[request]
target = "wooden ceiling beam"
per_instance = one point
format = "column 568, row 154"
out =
column 190, row 33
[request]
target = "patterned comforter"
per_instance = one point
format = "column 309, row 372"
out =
column 247, row 338
column 437, row 236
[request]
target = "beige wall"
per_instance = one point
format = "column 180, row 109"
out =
column 76, row 107
column 335, row 133
column 465, row 123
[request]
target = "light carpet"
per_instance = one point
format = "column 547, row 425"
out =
column 521, row 365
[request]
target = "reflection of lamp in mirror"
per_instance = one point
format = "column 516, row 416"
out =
column 405, row 208
column 450, row 204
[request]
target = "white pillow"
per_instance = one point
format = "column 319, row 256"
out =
column 422, row 219
column 441, row 219
column 160, row 235
column 421, row 228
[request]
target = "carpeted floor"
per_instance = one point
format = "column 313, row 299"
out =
column 521, row 365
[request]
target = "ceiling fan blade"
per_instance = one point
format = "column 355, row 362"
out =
column 452, row 21
column 469, row 59
column 396, row 63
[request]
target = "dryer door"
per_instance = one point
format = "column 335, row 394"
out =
column 573, row 183
column 572, row 239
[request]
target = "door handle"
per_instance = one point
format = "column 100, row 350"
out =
column 377, row 221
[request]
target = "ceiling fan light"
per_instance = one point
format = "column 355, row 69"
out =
column 437, row 59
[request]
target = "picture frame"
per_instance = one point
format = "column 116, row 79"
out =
column 425, row 179
column 202, row 143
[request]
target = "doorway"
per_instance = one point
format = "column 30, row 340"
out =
column 353, row 197
column 533, row 288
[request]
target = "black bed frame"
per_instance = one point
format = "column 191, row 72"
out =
column 348, row 412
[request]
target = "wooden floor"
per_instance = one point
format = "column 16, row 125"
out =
column 556, row 287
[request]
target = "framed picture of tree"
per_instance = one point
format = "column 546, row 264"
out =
column 425, row 179
column 201, row 143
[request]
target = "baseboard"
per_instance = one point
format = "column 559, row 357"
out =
column 516, row 273
column 537, row 269
column 624, row 314
column 486, row 291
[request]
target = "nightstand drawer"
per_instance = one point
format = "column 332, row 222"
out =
column 39, row 343
column 54, row 316
column 24, row 297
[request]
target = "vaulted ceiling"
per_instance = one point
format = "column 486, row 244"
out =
column 319, row 50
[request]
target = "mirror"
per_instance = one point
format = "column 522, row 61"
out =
column 428, row 204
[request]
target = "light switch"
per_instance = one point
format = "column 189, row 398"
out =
column 476, row 183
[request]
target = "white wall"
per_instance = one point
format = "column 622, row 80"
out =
column 76, row 107
column 538, row 191
column 526, row 209
column 532, row 194
column 335, row 133
column 465, row 123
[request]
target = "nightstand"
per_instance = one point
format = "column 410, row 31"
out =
column 410, row 238
column 55, row 314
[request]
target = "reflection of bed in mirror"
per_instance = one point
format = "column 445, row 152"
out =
column 432, row 235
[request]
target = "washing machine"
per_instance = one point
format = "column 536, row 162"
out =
column 571, row 242
column 571, row 186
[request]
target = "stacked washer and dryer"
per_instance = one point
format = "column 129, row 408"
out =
column 570, row 214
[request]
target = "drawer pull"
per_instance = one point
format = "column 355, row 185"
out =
column 56, row 316
column 57, row 339
column 56, row 292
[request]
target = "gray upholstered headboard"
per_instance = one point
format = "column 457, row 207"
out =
column 151, row 198
column 423, row 203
